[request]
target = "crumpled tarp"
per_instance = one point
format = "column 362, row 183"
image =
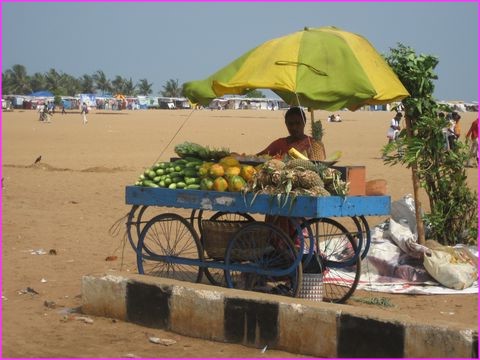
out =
column 394, row 263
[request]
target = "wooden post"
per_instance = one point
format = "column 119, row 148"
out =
column 312, row 119
column 416, row 187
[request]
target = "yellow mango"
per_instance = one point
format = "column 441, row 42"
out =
column 220, row 184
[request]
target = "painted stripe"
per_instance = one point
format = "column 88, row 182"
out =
column 148, row 304
column 251, row 322
column 294, row 325
column 369, row 338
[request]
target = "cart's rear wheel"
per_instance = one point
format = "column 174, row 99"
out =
column 364, row 230
column 169, row 247
column 339, row 257
column 136, row 222
column 132, row 227
column 262, row 247
column 217, row 276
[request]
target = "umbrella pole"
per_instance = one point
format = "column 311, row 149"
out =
column 416, row 187
column 311, row 123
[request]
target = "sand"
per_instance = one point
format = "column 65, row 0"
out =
column 68, row 201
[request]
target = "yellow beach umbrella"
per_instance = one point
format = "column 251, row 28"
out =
column 320, row 68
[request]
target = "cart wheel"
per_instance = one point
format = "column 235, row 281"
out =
column 217, row 276
column 132, row 231
column 260, row 247
column 135, row 224
column 169, row 247
column 339, row 258
column 364, row 229
column 194, row 216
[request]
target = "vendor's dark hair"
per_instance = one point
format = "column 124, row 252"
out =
column 296, row 110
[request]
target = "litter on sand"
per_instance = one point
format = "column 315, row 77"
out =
column 166, row 342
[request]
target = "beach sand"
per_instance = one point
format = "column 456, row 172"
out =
column 68, row 201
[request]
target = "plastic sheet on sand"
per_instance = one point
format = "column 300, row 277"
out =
column 388, row 269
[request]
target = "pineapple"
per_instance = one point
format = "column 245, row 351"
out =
column 306, row 164
column 308, row 179
column 273, row 165
column 318, row 149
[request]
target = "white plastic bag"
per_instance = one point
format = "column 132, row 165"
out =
column 403, row 211
column 401, row 235
column 450, row 271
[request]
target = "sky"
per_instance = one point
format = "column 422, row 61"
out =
column 185, row 41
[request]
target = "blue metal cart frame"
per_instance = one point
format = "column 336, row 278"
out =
column 304, row 212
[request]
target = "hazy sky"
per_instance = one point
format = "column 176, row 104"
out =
column 189, row 41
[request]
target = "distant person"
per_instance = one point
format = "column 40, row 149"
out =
column 472, row 136
column 44, row 114
column 84, row 113
column 454, row 130
column 63, row 110
column 40, row 112
column 394, row 128
column 441, row 115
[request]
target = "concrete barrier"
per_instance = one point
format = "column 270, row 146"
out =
column 294, row 325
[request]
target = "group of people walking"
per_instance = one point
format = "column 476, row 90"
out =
column 46, row 112
column 452, row 133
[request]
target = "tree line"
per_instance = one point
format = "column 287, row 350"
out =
column 17, row 81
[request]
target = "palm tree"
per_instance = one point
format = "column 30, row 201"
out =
column 37, row 81
column 53, row 81
column 102, row 82
column 118, row 85
column 87, row 84
column 70, row 85
column 129, row 88
column 16, row 80
column 144, row 88
column 171, row 89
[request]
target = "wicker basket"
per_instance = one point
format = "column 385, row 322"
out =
column 217, row 233
column 312, row 287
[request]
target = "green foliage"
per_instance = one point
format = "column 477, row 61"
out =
column 144, row 87
column 17, row 81
column 453, row 206
column 255, row 94
column 57, row 100
column 172, row 89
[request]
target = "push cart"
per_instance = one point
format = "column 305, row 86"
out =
column 240, row 240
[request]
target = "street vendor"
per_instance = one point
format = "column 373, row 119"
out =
column 295, row 121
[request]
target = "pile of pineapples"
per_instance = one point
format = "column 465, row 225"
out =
column 297, row 177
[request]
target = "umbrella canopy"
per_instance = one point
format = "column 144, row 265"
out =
column 320, row 68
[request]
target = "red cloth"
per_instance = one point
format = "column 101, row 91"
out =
column 281, row 146
column 473, row 131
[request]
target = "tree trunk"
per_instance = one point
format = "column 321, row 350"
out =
column 416, row 187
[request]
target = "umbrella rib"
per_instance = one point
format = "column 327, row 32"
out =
column 315, row 70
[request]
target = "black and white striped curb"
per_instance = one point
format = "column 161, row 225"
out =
column 294, row 325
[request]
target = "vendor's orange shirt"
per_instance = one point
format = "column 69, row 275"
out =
column 281, row 146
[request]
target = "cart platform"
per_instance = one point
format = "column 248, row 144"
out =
column 300, row 206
